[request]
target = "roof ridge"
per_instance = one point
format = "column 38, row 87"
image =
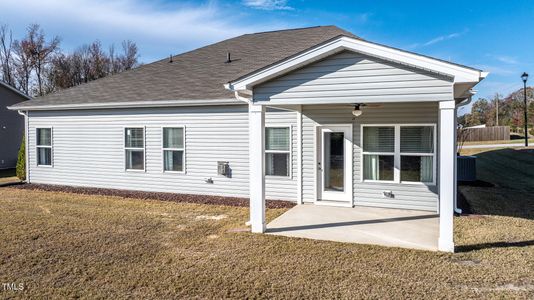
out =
column 290, row 29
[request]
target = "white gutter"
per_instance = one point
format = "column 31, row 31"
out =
column 131, row 104
column 456, row 208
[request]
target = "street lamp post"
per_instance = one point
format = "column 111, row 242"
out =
column 524, row 77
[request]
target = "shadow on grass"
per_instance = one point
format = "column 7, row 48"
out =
column 8, row 173
column 475, row 247
column 505, row 185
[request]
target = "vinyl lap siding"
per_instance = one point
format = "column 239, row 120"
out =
column 350, row 77
column 88, row 150
column 408, row 196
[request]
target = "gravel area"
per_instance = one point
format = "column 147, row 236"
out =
column 181, row 198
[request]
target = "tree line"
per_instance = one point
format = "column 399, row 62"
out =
column 502, row 111
column 36, row 65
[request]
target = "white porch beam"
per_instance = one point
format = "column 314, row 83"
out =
column 256, row 115
column 447, row 156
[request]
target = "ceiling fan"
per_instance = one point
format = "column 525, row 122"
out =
column 357, row 111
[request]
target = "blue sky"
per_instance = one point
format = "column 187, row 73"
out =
column 491, row 35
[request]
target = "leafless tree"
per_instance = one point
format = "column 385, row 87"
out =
column 41, row 52
column 6, row 55
column 129, row 56
column 37, row 66
column 22, row 65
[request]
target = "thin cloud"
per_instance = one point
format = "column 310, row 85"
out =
column 443, row 38
column 504, row 59
column 268, row 4
column 158, row 28
column 438, row 39
column 497, row 70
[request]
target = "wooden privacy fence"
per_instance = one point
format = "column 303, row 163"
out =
column 494, row 133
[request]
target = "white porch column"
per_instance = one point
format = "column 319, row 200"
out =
column 299, row 154
column 447, row 156
column 256, row 114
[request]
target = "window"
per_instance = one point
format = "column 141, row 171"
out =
column 44, row 146
column 277, row 151
column 173, row 149
column 417, row 153
column 399, row 153
column 378, row 153
column 134, row 146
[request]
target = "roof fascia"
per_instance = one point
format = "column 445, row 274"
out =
column 136, row 104
column 9, row 87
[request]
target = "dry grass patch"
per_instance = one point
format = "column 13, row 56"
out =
column 67, row 246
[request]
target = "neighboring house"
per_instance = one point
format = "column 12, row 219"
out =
column 11, row 125
column 271, row 115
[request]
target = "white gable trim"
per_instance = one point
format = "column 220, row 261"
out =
column 458, row 73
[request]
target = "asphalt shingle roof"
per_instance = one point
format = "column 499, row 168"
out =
column 195, row 75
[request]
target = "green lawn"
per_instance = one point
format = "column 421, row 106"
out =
column 61, row 245
column 511, row 171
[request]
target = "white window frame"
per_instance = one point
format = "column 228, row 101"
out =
column 290, row 151
column 397, row 154
column 51, row 147
column 133, row 148
column 163, row 149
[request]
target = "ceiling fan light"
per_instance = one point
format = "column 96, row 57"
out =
column 357, row 112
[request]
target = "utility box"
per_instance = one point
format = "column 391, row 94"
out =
column 223, row 168
column 467, row 168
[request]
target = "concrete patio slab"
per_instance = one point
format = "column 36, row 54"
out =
column 363, row 225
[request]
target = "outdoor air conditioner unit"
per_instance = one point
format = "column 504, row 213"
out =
column 467, row 168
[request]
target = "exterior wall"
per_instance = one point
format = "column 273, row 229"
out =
column 409, row 196
column 350, row 77
column 11, row 128
column 88, row 150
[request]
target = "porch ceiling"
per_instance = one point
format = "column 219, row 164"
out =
column 363, row 225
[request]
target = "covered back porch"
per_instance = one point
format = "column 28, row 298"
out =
column 339, row 198
column 402, row 155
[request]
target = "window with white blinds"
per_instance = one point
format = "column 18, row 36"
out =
column 173, row 149
column 399, row 153
column 134, row 148
column 378, row 153
column 417, row 153
column 277, row 151
column 44, row 146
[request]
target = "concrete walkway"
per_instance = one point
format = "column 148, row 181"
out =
column 363, row 225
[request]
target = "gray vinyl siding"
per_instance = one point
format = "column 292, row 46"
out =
column 88, row 150
column 11, row 128
column 350, row 77
column 407, row 196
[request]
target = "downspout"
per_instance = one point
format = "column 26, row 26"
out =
column 26, row 143
column 456, row 208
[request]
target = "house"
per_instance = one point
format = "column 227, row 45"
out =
column 312, row 115
column 11, row 125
